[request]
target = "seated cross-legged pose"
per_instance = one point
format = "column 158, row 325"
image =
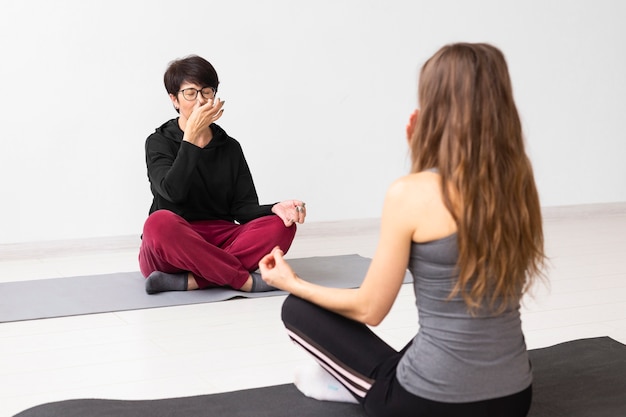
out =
column 467, row 224
column 206, row 227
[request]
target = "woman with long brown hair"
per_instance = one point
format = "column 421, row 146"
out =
column 467, row 224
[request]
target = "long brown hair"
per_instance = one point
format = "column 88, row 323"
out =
column 469, row 129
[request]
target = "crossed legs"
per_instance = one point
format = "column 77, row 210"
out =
column 212, row 253
column 366, row 366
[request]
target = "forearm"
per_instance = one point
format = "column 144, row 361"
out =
column 170, row 174
column 245, row 213
column 245, row 203
column 367, row 304
column 198, row 137
column 343, row 301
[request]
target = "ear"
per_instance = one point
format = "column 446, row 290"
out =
column 410, row 127
column 175, row 101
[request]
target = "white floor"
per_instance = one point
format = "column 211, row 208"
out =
column 200, row 349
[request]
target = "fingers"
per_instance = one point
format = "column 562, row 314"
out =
column 300, row 211
column 277, row 252
column 294, row 212
column 215, row 109
column 208, row 112
column 266, row 263
column 274, row 269
column 279, row 264
column 269, row 261
column 290, row 211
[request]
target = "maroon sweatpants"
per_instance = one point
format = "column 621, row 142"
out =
column 218, row 252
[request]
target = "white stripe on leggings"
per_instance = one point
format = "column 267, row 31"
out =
column 352, row 382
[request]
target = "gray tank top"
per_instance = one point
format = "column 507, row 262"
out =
column 456, row 357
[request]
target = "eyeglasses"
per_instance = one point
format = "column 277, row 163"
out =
column 190, row 94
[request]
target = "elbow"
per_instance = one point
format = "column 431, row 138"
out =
column 175, row 199
column 368, row 309
column 373, row 321
column 172, row 195
column 371, row 317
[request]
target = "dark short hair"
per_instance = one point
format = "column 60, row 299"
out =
column 191, row 69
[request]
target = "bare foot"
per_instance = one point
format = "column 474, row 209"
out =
column 247, row 286
column 191, row 282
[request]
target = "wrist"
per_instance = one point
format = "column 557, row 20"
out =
column 297, row 286
column 198, row 139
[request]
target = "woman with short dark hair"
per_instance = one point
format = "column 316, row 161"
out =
column 206, row 227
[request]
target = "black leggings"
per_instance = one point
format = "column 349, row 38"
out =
column 366, row 366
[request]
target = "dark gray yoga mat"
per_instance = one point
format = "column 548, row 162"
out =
column 59, row 297
column 581, row 378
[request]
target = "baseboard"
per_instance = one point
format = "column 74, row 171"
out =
column 339, row 227
column 584, row 210
column 310, row 229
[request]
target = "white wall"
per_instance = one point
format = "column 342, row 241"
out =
column 317, row 92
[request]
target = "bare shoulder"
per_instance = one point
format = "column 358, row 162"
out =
column 417, row 188
column 419, row 201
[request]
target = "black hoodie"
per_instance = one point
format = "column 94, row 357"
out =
column 210, row 183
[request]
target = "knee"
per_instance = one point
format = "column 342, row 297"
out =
column 273, row 231
column 294, row 307
column 277, row 226
column 162, row 224
column 283, row 234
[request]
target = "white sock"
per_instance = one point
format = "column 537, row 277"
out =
column 315, row 382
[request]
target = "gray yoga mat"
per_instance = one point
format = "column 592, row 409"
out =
column 581, row 378
column 59, row 297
